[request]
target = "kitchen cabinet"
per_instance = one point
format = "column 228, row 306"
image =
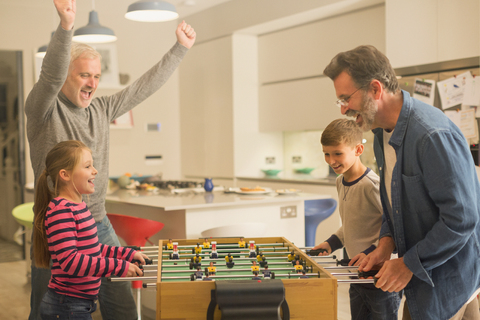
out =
column 294, row 94
column 422, row 32
column 307, row 104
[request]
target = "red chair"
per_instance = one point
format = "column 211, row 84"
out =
column 135, row 232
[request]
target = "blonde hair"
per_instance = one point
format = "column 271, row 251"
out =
column 63, row 156
column 341, row 131
column 78, row 50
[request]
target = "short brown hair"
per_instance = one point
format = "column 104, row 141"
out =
column 364, row 64
column 341, row 131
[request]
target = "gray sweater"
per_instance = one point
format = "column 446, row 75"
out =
column 52, row 118
column 361, row 213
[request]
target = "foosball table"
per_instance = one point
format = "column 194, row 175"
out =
column 237, row 278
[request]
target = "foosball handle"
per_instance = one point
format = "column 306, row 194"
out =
column 316, row 252
column 133, row 247
column 343, row 262
column 147, row 261
column 366, row 274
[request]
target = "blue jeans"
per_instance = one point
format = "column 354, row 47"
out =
column 369, row 303
column 60, row 306
column 116, row 299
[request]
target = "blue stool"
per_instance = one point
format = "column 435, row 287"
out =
column 315, row 212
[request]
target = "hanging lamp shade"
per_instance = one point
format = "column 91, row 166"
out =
column 93, row 32
column 151, row 11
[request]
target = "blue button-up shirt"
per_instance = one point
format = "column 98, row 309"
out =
column 435, row 212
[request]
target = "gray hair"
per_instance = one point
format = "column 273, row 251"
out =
column 79, row 49
column 364, row 64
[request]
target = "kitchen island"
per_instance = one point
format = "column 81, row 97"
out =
column 188, row 214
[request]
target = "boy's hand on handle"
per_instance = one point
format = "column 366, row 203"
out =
column 66, row 11
column 185, row 35
column 378, row 256
column 134, row 271
column 355, row 261
column 325, row 246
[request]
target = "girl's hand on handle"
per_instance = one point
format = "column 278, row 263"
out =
column 134, row 271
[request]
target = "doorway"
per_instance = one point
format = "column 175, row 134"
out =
column 12, row 140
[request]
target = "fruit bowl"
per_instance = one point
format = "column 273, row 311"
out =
column 271, row 172
column 304, row 170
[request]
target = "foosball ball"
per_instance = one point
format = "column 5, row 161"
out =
column 236, row 278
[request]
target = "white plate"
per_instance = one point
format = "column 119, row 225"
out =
column 287, row 191
column 267, row 190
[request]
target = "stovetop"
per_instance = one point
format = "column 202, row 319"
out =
column 176, row 184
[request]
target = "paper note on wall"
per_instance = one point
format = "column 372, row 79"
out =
column 467, row 123
column 424, row 90
column 451, row 90
column 471, row 95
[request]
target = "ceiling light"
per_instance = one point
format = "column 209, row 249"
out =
column 151, row 11
column 93, row 32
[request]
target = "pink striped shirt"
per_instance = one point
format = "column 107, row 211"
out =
column 79, row 260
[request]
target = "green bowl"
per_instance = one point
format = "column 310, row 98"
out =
column 304, row 170
column 271, row 172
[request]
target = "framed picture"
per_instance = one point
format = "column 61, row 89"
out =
column 110, row 75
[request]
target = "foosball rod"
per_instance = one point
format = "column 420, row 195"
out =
column 221, row 245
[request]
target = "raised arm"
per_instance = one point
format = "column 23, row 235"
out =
column 66, row 10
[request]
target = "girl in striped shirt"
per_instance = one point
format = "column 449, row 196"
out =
column 66, row 234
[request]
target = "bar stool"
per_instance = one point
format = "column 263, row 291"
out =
column 135, row 232
column 23, row 213
column 315, row 212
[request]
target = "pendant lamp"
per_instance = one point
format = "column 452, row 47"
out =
column 151, row 11
column 93, row 32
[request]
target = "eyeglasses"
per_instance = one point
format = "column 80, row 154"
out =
column 344, row 102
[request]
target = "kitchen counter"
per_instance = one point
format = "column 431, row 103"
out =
column 187, row 215
column 204, row 200
column 294, row 178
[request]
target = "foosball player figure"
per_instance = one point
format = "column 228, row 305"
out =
column 266, row 273
column 199, row 273
column 170, row 244
column 297, row 258
column 253, row 252
column 175, row 255
column 206, row 278
column 214, row 254
column 206, row 244
column 254, row 267
column 298, row 266
column 302, row 275
column 291, row 256
column 241, row 243
column 211, row 269
column 196, row 261
column 256, row 277
column 260, row 257
column 197, row 249
column 229, row 261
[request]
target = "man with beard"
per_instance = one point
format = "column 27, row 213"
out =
column 429, row 190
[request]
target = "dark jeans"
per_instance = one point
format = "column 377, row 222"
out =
column 369, row 303
column 58, row 306
column 116, row 299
